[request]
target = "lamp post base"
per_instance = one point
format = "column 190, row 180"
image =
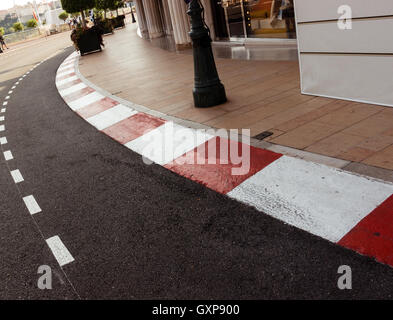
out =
column 208, row 90
column 206, row 97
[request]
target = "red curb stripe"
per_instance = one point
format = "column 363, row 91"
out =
column 219, row 176
column 373, row 236
column 97, row 107
column 133, row 127
column 78, row 94
column 66, row 76
column 69, row 84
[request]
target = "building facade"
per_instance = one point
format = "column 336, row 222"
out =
column 338, row 57
column 227, row 19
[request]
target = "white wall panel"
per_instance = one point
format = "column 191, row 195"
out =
column 353, row 64
column 366, row 36
column 315, row 10
column 363, row 78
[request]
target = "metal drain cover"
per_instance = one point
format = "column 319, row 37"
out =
column 263, row 135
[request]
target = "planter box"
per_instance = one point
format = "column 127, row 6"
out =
column 89, row 42
column 106, row 26
column 118, row 22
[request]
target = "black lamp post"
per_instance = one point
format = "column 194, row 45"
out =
column 208, row 90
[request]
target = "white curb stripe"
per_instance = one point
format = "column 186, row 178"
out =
column 8, row 155
column 65, row 81
column 32, row 205
column 65, row 69
column 3, row 140
column 72, row 89
column 321, row 200
column 17, row 176
column 160, row 149
column 86, row 100
column 111, row 116
column 59, row 250
column 61, row 74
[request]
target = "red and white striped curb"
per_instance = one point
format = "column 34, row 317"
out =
column 348, row 209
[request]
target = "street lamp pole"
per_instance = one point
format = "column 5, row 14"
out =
column 208, row 90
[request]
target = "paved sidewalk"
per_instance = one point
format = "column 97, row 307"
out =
column 263, row 96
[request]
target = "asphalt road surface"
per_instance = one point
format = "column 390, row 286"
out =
column 138, row 231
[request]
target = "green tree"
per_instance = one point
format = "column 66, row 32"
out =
column 108, row 5
column 32, row 23
column 2, row 31
column 78, row 5
column 18, row 26
column 63, row 16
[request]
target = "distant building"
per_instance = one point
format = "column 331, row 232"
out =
column 45, row 11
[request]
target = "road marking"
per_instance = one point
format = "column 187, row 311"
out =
column 65, row 81
column 86, row 100
column 13, row 87
column 8, row 155
column 7, row 97
column 59, row 250
column 73, row 89
column 24, row 76
column 2, row 118
column 2, row 127
column 111, row 116
column 373, row 236
column 3, row 110
column 32, row 205
column 321, row 200
column 9, row 92
column 16, row 83
column 65, row 70
column 5, row 103
column 3, row 140
column 17, row 176
column 20, row 79
column 167, row 142
column 62, row 74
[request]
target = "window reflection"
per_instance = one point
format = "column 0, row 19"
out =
column 271, row 18
column 260, row 18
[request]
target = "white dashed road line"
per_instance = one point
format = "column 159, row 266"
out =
column 17, row 176
column 2, row 127
column 32, row 205
column 3, row 140
column 3, row 110
column 5, row 103
column 59, row 250
column 8, row 155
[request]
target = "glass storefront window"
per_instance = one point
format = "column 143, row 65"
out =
column 270, row 18
column 260, row 18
